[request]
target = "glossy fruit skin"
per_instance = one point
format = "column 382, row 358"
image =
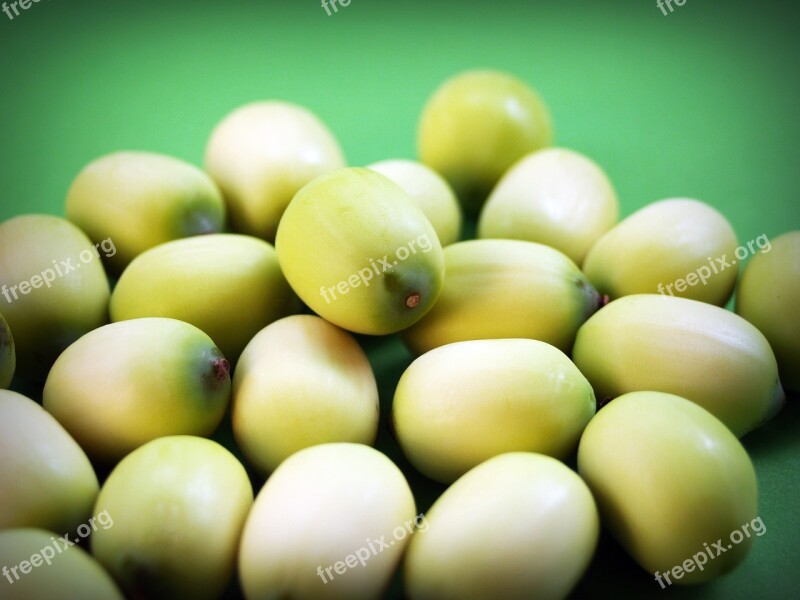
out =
column 692, row 349
column 345, row 231
column 179, row 504
column 230, row 286
column 71, row 573
column 430, row 191
column 517, row 526
column 127, row 383
column 301, row 382
column 358, row 496
column 475, row 126
column 464, row 403
column 769, row 296
column 46, row 480
column 8, row 356
column 141, row 200
column 506, row 289
column 668, row 241
column 261, row 154
column 556, row 197
column 668, row 478
column 49, row 318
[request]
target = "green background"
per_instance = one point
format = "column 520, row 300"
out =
column 700, row 103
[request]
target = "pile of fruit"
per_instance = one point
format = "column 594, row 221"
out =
column 243, row 296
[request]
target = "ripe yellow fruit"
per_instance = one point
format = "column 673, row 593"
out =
column 463, row 403
column 692, row 349
column 8, row 356
column 671, row 481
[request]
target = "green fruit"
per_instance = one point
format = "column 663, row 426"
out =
column 670, row 480
column 142, row 199
column 519, row 525
column 506, row 289
column 230, row 286
column 8, row 357
column 261, row 154
column 463, row 403
column 769, row 296
column 301, row 382
column 331, row 522
column 360, row 253
column 46, row 480
column 52, row 571
column 675, row 247
column 684, row 347
column 53, row 288
column 475, row 126
column 116, row 388
column 556, row 197
column 430, row 191
column 179, row 504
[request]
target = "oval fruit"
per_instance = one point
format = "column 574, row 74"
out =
column 127, row 383
column 179, row 504
column 230, row 286
column 8, row 356
column 53, row 573
column 670, row 480
column 475, row 126
column 142, row 199
column 301, row 382
column 46, row 480
column 769, row 296
column 261, row 154
column 430, row 191
column 517, row 526
column 53, row 288
column 684, row 347
column 668, row 247
column 506, row 289
column 360, row 253
column 325, row 525
column 463, row 403
column 556, row 197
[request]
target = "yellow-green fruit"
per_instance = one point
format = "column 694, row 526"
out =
column 506, row 289
column 261, row 154
column 53, row 288
column 127, row 383
column 518, row 526
column 769, row 297
column 684, row 347
column 430, row 191
column 8, row 356
column 463, row 403
column 179, row 504
column 360, row 253
column 671, row 481
column 230, row 286
column 46, row 480
column 141, row 199
column 51, row 570
column 556, row 197
column 677, row 247
column 475, row 126
column 301, row 382
column 330, row 523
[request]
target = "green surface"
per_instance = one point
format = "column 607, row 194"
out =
column 700, row 103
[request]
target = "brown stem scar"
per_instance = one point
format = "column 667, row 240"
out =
column 413, row 299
